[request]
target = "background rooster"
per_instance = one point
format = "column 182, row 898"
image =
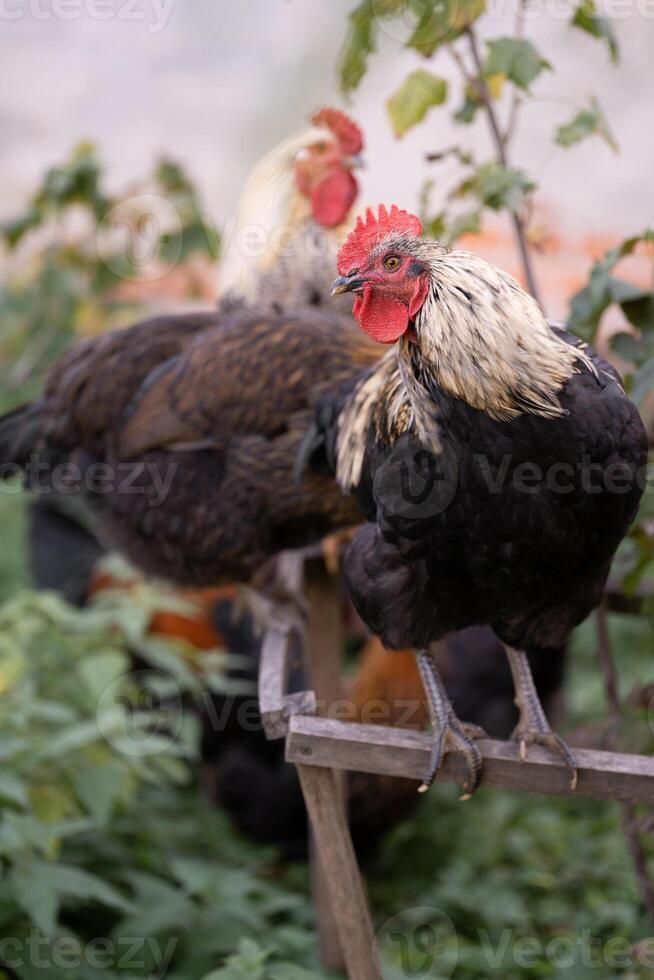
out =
column 209, row 398
column 477, row 385
column 292, row 219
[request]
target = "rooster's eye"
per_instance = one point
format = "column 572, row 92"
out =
column 391, row 262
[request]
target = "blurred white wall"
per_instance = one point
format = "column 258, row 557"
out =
column 222, row 80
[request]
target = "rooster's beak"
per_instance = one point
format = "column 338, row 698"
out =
column 347, row 284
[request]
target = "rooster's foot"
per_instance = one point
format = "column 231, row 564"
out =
column 533, row 727
column 450, row 734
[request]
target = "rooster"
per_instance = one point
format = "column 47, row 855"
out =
column 498, row 460
column 196, row 417
column 292, row 218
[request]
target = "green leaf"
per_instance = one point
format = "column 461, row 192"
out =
column 643, row 382
column 587, row 19
column 12, row 789
column 442, row 21
column 587, row 122
column 360, row 43
column 194, row 874
column 417, row 94
column 38, row 888
column 463, row 224
column 640, row 311
column 467, row 112
column 517, row 59
column 497, row 187
column 34, row 896
column 100, row 787
column 626, row 346
column 588, row 305
column 101, row 670
column 288, row 971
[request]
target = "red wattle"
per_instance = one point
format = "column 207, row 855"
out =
column 385, row 319
column 332, row 198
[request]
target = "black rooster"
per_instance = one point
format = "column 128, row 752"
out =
column 498, row 460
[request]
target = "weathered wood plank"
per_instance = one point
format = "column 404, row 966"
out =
column 339, row 867
column 275, row 705
column 322, row 655
column 399, row 752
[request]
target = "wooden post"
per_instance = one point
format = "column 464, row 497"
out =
column 323, row 654
column 339, row 867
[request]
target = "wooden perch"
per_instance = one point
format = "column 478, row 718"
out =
column 321, row 746
column 275, row 705
column 400, row 752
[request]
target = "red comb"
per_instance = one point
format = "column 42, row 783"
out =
column 366, row 234
column 344, row 129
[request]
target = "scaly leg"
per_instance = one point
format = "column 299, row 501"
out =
column 449, row 732
column 533, row 727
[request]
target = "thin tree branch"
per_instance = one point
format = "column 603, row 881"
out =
column 516, row 101
column 500, row 147
column 463, row 68
column 630, row 821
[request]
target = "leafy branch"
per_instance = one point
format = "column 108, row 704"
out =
column 509, row 63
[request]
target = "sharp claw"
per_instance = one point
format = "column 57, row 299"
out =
column 459, row 742
column 449, row 732
column 550, row 740
column 436, row 760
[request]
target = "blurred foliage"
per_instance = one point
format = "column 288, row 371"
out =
column 103, row 832
column 75, row 247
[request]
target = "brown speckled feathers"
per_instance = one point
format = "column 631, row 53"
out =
column 198, row 419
